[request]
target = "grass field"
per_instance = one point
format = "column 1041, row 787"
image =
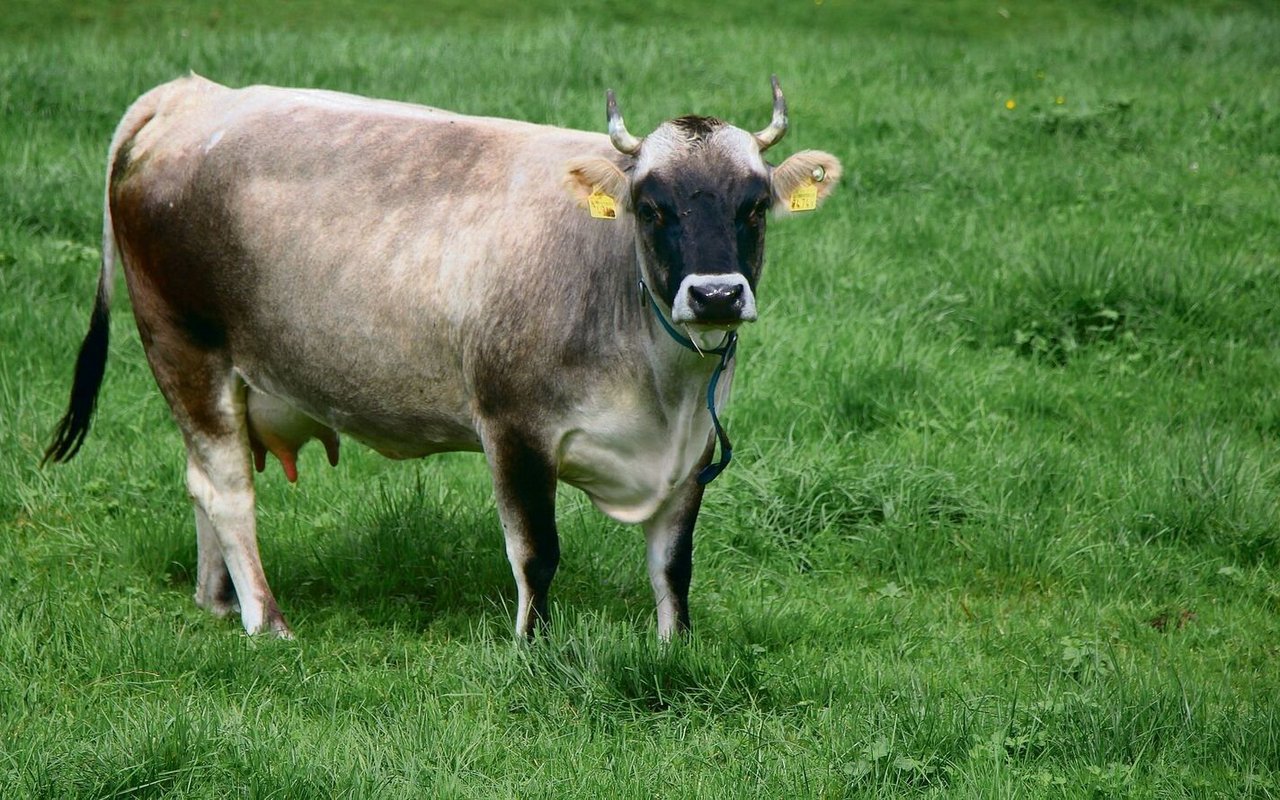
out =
column 1004, row 519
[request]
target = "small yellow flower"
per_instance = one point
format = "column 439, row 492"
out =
column 1060, row 100
column 1010, row 104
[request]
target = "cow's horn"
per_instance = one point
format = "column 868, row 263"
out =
column 618, row 133
column 778, row 126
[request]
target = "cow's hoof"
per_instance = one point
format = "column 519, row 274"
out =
column 279, row 629
column 272, row 625
column 218, row 606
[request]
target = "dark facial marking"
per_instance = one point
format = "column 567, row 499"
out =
column 702, row 216
column 749, row 226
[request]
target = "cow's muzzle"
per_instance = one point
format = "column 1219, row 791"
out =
column 720, row 300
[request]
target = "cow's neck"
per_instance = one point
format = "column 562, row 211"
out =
column 722, row 356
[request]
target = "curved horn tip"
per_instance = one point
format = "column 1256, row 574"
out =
column 610, row 106
column 779, row 99
column 618, row 133
column 778, row 125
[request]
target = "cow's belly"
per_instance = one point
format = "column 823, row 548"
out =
column 394, row 425
column 629, row 463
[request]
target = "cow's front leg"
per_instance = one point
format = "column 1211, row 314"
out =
column 524, row 483
column 669, row 541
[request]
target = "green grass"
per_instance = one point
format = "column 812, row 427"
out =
column 1004, row 519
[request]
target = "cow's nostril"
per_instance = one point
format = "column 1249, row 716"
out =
column 715, row 293
column 714, row 299
column 716, row 302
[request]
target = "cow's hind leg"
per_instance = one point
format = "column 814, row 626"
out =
column 524, row 483
column 208, row 402
column 220, row 480
column 214, row 590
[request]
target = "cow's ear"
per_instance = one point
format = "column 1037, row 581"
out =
column 591, row 175
column 803, row 181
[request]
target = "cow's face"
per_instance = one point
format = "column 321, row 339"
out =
column 700, row 193
column 699, row 190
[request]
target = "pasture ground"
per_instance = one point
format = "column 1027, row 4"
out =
column 1004, row 519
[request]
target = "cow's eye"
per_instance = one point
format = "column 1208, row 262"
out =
column 755, row 215
column 649, row 214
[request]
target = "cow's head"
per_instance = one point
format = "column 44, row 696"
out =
column 699, row 189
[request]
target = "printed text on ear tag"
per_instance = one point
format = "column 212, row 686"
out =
column 805, row 198
column 602, row 205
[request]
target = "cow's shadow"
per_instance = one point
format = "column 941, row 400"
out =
column 407, row 562
column 412, row 568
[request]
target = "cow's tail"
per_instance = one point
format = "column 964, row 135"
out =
column 91, row 363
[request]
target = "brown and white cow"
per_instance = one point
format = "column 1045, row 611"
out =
column 305, row 262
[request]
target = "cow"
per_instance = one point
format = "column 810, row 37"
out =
column 306, row 263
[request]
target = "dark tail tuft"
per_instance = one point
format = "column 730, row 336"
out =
column 90, row 366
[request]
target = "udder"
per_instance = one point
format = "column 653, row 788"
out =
column 280, row 429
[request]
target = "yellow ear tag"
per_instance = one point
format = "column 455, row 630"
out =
column 805, row 198
column 602, row 205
